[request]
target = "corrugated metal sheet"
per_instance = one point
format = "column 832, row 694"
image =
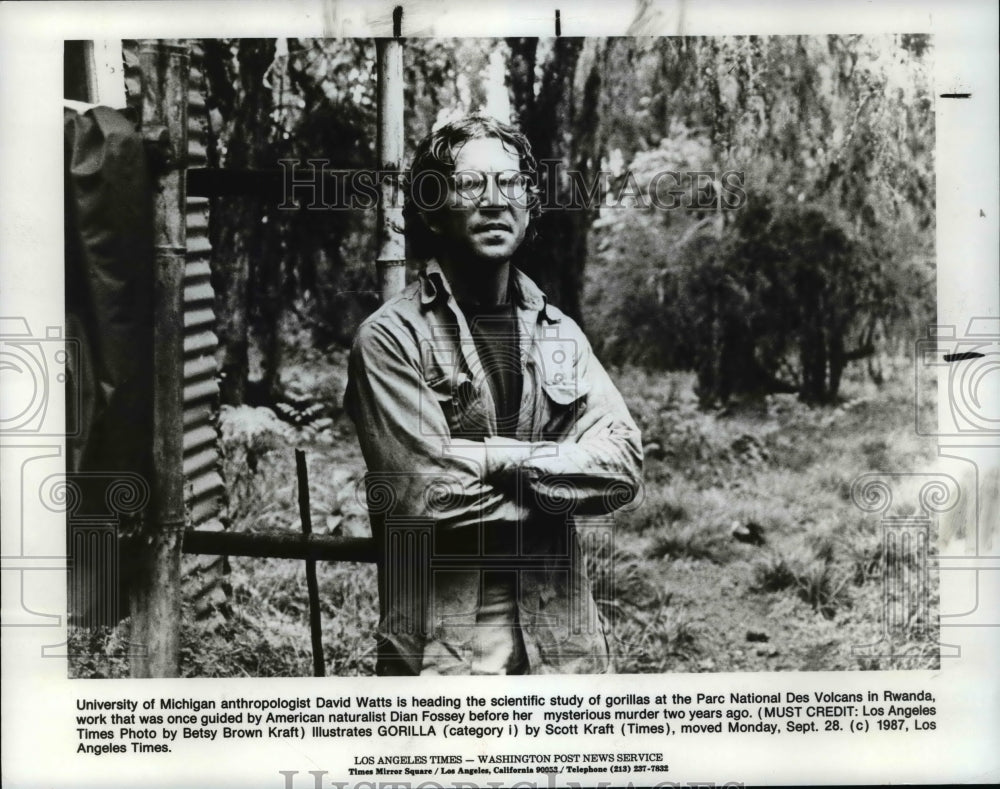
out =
column 204, row 486
column 203, row 481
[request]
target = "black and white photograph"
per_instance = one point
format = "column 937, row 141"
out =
column 546, row 280
column 648, row 355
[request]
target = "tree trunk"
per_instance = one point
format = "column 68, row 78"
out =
column 837, row 363
column 237, row 91
column 565, row 139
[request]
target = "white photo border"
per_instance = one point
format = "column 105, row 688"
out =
column 38, row 723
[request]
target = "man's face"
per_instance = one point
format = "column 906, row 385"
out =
column 490, row 226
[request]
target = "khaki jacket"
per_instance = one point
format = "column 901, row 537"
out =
column 446, row 510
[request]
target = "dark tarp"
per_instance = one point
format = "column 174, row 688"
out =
column 109, row 291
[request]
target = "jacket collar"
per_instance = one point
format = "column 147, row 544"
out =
column 527, row 295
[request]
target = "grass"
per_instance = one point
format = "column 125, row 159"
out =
column 814, row 577
column 810, row 586
column 747, row 553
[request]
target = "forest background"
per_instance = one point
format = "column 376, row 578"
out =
column 762, row 345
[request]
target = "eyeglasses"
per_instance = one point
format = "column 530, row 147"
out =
column 471, row 184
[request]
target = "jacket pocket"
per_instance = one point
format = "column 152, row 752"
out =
column 464, row 406
column 561, row 404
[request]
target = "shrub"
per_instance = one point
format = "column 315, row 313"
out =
column 99, row 652
column 810, row 573
column 774, row 300
column 691, row 541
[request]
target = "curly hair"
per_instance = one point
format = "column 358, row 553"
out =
column 435, row 154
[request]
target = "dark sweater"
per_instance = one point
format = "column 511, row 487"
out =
column 494, row 330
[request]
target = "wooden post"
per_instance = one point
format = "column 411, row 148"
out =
column 391, row 262
column 312, row 584
column 155, row 595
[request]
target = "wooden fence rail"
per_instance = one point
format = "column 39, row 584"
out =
column 281, row 545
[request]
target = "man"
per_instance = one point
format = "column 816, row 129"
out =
column 486, row 425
